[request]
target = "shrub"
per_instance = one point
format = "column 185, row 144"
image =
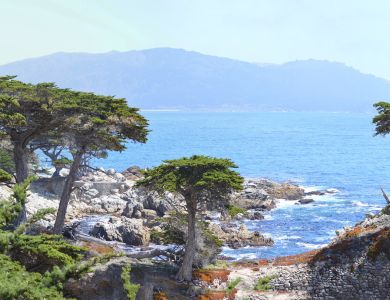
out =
column 232, row 284
column 263, row 283
column 17, row 283
column 130, row 288
column 233, row 211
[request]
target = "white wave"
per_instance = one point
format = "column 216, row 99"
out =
column 245, row 256
column 309, row 189
column 311, row 246
column 376, row 208
column 283, row 203
column 359, row 203
column 268, row 217
column 287, row 237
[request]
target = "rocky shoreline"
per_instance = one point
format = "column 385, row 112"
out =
column 109, row 214
column 133, row 214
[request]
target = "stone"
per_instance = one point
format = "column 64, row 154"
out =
column 102, row 282
column 92, row 193
column 239, row 237
column 126, row 230
column 64, row 172
column 305, row 201
column 119, row 177
column 110, row 171
column 114, row 191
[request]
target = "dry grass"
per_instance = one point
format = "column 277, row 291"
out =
column 301, row 258
column 357, row 231
column 97, row 248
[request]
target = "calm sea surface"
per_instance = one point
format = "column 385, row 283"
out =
column 315, row 150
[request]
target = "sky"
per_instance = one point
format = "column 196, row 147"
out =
column 355, row 32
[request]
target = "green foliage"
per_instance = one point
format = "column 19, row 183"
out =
column 233, row 211
column 219, row 264
column 168, row 235
column 9, row 209
column 231, row 285
column 6, row 161
column 209, row 235
column 23, row 256
column 62, row 162
column 382, row 120
column 263, row 283
column 17, row 283
column 199, row 178
column 5, row 176
column 130, row 288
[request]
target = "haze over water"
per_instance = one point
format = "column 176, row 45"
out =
column 315, row 150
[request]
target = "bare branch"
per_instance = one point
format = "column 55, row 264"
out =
column 385, row 196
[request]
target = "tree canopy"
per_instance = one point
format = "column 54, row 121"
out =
column 96, row 124
column 196, row 175
column 43, row 116
column 203, row 181
column 382, row 120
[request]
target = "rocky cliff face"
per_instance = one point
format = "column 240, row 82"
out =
column 356, row 265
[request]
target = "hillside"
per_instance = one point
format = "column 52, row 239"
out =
column 165, row 78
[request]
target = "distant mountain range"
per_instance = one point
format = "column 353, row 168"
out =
column 166, row 78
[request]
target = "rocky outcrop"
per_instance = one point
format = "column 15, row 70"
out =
column 239, row 237
column 104, row 281
column 263, row 194
column 354, row 266
column 129, row 231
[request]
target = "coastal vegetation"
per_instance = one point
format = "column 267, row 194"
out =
column 170, row 204
column 43, row 116
column 262, row 283
column 53, row 120
column 203, row 182
column 71, row 128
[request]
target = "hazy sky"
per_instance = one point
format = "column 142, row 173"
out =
column 356, row 32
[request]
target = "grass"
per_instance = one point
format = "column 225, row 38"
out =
column 219, row 264
column 263, row 283
column 232, row 284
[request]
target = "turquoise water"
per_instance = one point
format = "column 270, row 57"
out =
column 316, row 150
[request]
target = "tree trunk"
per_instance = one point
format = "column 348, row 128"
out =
column 185, row 272
column 21, row 162
column 21, row 167
column 66, row 192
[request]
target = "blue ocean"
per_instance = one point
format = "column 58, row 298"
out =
column 314, row 150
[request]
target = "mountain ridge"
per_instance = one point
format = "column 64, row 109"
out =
column 170, row 78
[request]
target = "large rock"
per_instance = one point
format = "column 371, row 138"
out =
column 129, row 231
column 132, row 173
column 239, row 237
column 262, row 193
column 104, row 281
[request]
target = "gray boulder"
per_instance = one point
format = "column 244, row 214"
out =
column 126, row 230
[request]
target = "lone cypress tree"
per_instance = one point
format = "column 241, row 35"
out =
column 204, row 182
column 97, row 124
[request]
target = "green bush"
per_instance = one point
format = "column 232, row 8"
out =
column 130, row 288
column 6, row 162
column 17, row 283
column 263, row 283
column 35, row 267
column 231, row 285
column 233, row 211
